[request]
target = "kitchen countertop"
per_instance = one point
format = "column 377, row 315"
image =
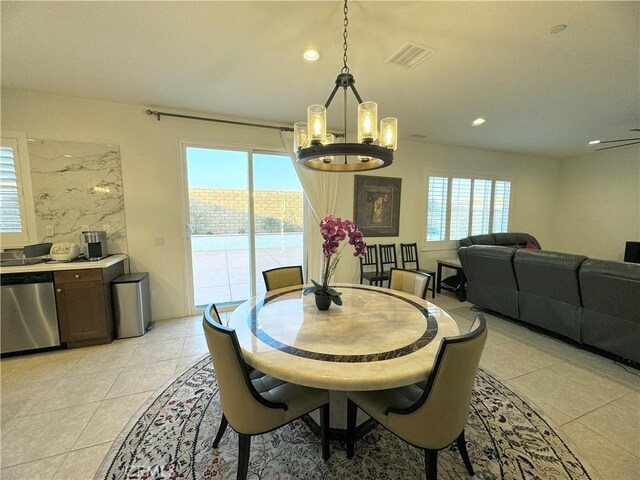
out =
column 72, row 265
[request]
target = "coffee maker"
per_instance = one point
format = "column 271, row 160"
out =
column 95, row 245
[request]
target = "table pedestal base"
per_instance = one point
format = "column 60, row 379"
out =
column 338, row 423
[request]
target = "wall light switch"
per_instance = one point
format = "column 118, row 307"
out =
column 106, row 228
column 49, row 232
column 158, row 241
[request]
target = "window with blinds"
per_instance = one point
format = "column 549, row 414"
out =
column 461, row 206
column 11, row 219
column 17, row 219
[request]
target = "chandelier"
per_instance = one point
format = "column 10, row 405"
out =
column 316, row 149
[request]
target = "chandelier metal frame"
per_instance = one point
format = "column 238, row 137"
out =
column 369, row 156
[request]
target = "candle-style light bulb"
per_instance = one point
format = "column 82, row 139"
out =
column 317, row 124
column 300, row 139
column 328, row 138
column 389, row 133
column 367, row 122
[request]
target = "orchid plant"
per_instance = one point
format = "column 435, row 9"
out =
column 334, row 230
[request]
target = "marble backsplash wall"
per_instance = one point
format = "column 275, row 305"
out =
column 77, row 186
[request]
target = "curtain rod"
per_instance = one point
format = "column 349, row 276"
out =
column 232, row 122
column 207, row 119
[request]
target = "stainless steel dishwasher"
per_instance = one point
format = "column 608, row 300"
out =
column 28, row 307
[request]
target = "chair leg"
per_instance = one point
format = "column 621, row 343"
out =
column 431, row 463
column 462, row 447
column 352, row 411
column 221, row 429
column 244, row 447
column 325, row 419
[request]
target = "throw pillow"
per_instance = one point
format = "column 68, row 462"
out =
column 530, row 244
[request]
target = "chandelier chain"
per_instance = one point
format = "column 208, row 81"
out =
column 345, row 68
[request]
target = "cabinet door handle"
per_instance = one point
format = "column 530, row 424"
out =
column 77, row 276
column 59, row 290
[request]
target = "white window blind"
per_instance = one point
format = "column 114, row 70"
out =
column 17, row 217
column 10, row 217
column 460, row 200
column 460, row 206
column 501, row 197
column 481, row 206
column 438, row 188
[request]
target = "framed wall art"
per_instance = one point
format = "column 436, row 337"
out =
column 376, row 205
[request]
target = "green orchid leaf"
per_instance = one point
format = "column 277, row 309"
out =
column 309, row 290
column 336, row 299
column 316, row 284
column 333, row 291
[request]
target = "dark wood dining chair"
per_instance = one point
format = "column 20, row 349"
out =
column 409, row 259
column 369, row 267
column 430, row 416
column 388, row 260
column 257, row 404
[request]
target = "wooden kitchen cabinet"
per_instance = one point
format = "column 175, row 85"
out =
column 83, row 299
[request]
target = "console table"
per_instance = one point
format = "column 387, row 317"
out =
column 454, row 264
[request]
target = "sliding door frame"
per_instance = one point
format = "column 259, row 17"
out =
column 187, row 258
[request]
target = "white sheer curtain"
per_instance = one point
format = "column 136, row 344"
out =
column 321, row 192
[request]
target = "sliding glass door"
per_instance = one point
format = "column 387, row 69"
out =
column 245, row 216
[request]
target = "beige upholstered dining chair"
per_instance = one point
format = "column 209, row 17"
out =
column 282, row 277
column 409, row 281
column 432, row 415
column 256, row 403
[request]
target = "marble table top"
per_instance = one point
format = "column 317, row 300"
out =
column 378, row 338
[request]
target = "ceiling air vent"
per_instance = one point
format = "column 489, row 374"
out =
column 417, row 135
column 410, row 55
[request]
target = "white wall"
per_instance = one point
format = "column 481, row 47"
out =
column 533, row 199
column 151, row 179
column 150, row 171
column 599, row 203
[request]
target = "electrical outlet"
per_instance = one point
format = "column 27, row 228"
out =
column 106, row 228
column 158, row 241
column 49, row 232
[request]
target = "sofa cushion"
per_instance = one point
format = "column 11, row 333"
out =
column 549, row 295
column 611, row 300
column 505, row 239
column 477, row 240
column 491, row 282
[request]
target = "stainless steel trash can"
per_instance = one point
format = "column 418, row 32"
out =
column 131, row 304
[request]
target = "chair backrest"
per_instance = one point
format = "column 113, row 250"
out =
column 369, row 259
column 441, row 413
column 409, row 281
column 211, row 312
column 409, row 255
column 282, row 277
column 245, row 409
column 388, row 257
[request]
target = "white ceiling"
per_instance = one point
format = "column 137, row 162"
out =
column 541, row 93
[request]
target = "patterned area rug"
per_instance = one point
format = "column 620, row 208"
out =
column 172, row 439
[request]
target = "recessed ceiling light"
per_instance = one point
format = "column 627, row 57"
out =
column 478, row 121
column 558, row 29
column 68, row 156
column 594, row 142
column 311, row 55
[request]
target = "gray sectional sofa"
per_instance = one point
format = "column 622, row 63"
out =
column 595, row 303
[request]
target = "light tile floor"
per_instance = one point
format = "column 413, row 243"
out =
column 62, row 410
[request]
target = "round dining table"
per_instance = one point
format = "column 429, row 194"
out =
column 377, row 339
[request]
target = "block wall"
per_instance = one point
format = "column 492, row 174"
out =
column 226, row 211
